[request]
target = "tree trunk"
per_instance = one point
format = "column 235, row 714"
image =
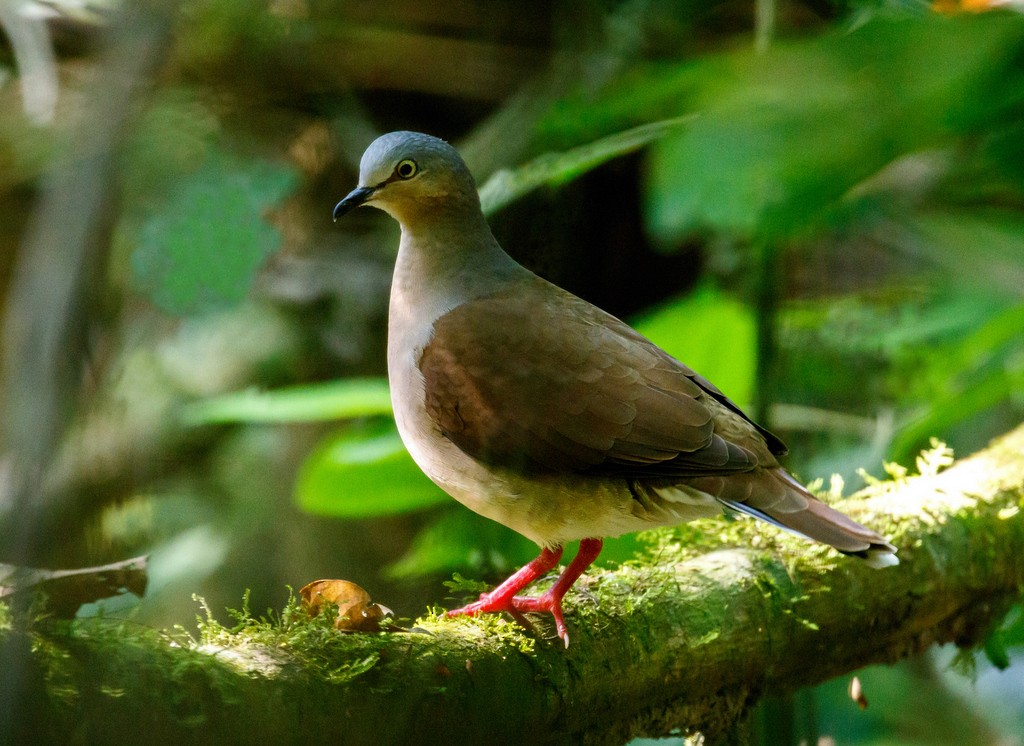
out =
column 685, row 639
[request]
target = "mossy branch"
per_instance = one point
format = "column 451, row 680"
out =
column 686, row 638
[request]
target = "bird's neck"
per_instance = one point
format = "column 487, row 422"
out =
column 448, row 260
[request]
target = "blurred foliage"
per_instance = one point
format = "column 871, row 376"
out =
column 459, row 539
column 200, row 250
column 713, row 333
column 784, row 135
column 233, row 399
column 333, row 400
column 557, row 169
column 364, row 471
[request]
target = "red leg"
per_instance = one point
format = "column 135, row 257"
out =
column 500, row 598
column 503, row 597
column 551, row 600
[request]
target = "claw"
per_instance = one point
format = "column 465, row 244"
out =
column 551, row 602
column 503, row 597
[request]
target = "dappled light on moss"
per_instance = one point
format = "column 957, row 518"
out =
column 58, row 664
column 267, row 644
column 489, row 631
column 6, row 618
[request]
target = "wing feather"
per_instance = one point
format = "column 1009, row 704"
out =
column 542, row 381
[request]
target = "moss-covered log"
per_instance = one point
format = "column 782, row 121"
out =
column 686, row 638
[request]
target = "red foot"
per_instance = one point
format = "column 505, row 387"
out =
column 504, row 598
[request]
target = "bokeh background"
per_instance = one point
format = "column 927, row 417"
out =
column 818, row 204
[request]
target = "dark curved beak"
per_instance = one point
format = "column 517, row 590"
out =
column 355, row 198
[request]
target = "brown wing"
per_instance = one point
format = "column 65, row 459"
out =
column 542, row 381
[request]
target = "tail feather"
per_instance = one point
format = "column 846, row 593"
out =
column 800, row 512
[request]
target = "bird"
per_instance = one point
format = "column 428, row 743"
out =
column 536, row 409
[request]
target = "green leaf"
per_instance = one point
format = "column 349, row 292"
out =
column 1012, row 628
column 712, row 333
column 335, row 400
column 459, row 539
column 555, row 169
column 968, row 391
column 172, row 137
column 995, row 651
column 988, row 243
column 782, row 136
column 363, row 471
column 200, row 251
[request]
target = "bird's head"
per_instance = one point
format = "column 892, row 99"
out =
column 407, row 173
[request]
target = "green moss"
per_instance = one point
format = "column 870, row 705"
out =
column 459, row 584
column 266, row 645
column 496, row 632
column 290, row 639
column 6, row 619
column 60, row 670
column 649, row 609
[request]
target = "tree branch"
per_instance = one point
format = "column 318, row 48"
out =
column 683, row 639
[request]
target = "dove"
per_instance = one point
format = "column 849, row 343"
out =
column 542, row 412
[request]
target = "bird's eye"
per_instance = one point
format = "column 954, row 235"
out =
column 406, row 169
